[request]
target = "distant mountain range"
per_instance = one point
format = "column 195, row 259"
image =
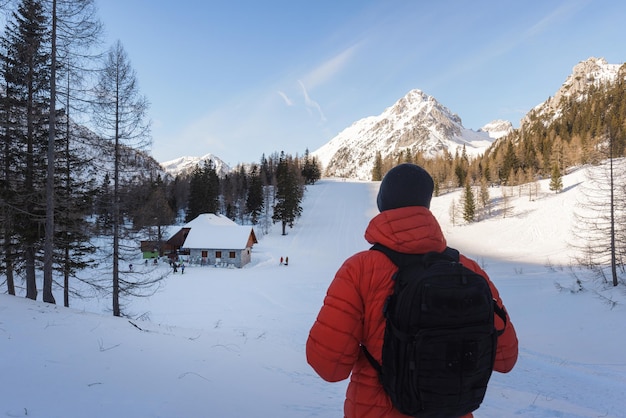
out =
column 418, row 123
column 185, row 165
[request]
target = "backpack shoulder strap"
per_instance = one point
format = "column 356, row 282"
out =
column 452, row 253
column 403, row 259
column 398, row 258
column 375, row 364
column 501, row 312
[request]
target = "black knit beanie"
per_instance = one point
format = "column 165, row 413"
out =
column 405, row 185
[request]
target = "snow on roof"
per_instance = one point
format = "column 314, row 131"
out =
column 209, row 219
column 210, row 231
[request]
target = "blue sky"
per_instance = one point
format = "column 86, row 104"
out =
column 242, row 78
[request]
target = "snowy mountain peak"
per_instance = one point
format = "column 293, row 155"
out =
column 418, row 106
column 417, row 123
column 593, row 71
column 497, row 128
column 185, row 165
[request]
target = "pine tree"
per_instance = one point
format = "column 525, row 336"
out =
column 509, row 164
column 377, row 170
column 311, row 169
column 242, row 184
column 557, row 163
column 461, row 167
column 26, row 72
column 469, row 204
column 212, row 183
column 288, row 194
column 254, row 200
column 556, row 180
column 8, row 185
column 203, row 191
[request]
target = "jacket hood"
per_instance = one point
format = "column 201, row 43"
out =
column 411, row 230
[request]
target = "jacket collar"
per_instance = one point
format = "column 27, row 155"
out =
column 411, row 230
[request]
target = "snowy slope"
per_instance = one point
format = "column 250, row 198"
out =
column 230, row 343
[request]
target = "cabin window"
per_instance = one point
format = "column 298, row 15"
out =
column 205, row 253
column 218, row 254
column 232, row 254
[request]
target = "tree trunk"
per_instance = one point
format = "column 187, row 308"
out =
column 9, row 271
column 116, row 211
column 31, row 283
column 49, row 238
column 613, row 261
column 66, row 279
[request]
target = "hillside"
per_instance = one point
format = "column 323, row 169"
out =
column 230, row 343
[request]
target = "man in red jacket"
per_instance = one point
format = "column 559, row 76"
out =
column 352, row 314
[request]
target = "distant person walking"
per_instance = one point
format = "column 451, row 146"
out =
column 352, row 314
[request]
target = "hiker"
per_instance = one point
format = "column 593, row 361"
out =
column 352, row 313
column 182, row 268
column 286, row 261
column 281, row 261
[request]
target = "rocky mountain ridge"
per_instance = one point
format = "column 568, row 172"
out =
column 593, row 71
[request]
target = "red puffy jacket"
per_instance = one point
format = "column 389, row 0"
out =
column 352, row 313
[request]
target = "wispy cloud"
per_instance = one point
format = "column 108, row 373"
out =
column 287, row 100
column 562, row 12
column 311, row 104
column 328, row 69
column 320, row 75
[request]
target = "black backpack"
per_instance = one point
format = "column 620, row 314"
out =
column 440, row 340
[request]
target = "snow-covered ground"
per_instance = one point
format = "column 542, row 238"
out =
column 230, row 342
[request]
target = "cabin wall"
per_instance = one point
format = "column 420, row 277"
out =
column 208, row 257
